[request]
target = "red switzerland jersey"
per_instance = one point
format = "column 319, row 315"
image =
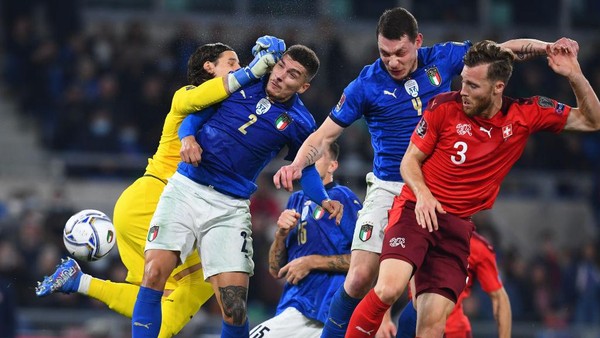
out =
column 482, row 265
column 470, row 156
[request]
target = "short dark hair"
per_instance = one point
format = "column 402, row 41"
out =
column 334, row 151
column 397, row 22
column 488, row 52
column 306, row 57
column 196, row 74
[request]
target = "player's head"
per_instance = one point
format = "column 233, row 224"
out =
column 488, row 67
column 328, row 163
column 293, row 73
column 211, row 60
column 398, row 39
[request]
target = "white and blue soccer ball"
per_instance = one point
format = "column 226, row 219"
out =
column 89, row 235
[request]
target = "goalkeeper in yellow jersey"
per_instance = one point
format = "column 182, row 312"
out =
column 213, row 74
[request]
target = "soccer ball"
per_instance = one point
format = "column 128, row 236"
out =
column 89, row 235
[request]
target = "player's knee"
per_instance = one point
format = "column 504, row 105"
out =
column 388, row 294
column 358, row 282
column 155, row 275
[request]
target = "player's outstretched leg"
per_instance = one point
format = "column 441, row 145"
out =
column 65, row 279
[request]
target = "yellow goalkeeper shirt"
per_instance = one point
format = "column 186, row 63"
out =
column 186, row 100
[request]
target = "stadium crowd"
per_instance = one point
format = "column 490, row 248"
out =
column 106, row 91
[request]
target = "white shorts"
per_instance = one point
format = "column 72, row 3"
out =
column 289, row 323
column 192, row 216
column 373, row 217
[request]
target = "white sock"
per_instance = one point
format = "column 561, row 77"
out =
column 84, row 284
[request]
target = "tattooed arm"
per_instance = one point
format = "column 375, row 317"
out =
column 526, row 49
column 297, row 269
column 300, row 267
column 310, row 151
column 278, row 252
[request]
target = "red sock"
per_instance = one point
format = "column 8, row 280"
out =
column 367, row 317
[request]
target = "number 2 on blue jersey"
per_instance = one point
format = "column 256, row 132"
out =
column 253, row 120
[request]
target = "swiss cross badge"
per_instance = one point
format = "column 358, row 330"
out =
column 507, row 131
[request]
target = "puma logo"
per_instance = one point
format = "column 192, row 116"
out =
column 387, row 92
column 336, row 324
column 489, row 132
column 368, row 333
column 147, row 326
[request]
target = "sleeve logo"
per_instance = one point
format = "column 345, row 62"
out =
column 545, row 102
column 421, row 128
column 340, row 103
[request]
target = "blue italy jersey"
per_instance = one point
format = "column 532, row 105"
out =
column 245, row 133
column 393, row 108
column 316, row 234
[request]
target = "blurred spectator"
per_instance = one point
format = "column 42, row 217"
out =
column 587, row 286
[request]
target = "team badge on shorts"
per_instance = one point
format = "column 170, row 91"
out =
column 366, row 230
column 152, row 233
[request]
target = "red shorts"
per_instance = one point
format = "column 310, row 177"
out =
column 439, row 257
column 464, row 334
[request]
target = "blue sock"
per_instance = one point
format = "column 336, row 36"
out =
column 147, row 315
column 340, row 311
column 234, row 331
column 407, row 323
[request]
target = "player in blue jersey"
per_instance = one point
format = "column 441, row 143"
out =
column 312, row 253
column 206, row 206
column 390, row 94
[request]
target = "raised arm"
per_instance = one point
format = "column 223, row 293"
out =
column 310, row 151
column 526, row 49
column 586, row 116
column 427, row 205
column 278, row 252
column 502, row 312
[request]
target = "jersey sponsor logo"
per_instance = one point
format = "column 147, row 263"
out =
column 412, row 87
column 488, row 132
column 318, row 213
column 366, row 230
column 153, row 233
column 387, row 92
column 283, row 121
column 507, row 131
column 340, row 103
column 421, row 129
column 545, row 102
column 398, row 241
column 263, row 106
column 434, row 76
column 464, row 129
